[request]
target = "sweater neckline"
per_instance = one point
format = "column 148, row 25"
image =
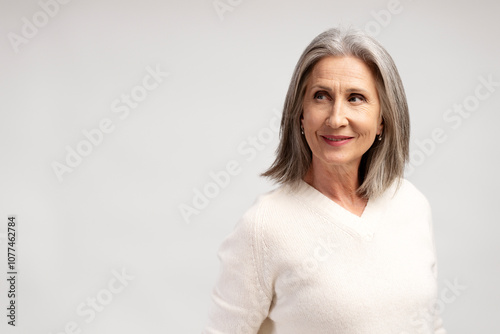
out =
column 364, row 226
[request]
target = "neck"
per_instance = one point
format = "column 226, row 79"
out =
column 338, row 183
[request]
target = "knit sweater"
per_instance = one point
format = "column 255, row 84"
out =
column 297, row 262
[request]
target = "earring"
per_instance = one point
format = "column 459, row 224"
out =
column 379, row 137
column 302, row 129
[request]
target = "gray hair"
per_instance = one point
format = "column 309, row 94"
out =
column 385, row 160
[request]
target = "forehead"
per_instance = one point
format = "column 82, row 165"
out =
column 343, row 69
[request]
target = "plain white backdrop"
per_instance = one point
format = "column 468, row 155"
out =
column 170, row 93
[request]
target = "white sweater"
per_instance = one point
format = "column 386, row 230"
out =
column 297, row 262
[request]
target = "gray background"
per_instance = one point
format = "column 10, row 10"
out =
column 120, row 208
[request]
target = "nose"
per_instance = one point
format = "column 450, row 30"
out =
column 337, row 117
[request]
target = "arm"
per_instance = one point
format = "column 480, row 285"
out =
column 240, row 302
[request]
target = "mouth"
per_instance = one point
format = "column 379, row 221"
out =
column 337, row 140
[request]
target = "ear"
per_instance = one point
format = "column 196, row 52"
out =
column 380, row 128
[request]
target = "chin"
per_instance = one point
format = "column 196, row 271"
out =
column 339, row 162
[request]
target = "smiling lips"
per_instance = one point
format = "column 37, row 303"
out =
column 337, row 140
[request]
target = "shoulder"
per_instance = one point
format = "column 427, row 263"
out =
column 271, row 215
column 247, row 232
column 258, row 232
column 271, row 203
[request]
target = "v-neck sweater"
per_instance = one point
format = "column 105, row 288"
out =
column 298, row 262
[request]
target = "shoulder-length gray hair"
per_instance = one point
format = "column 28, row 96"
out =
column 385, row 161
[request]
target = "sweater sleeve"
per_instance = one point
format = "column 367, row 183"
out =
column 240, row 303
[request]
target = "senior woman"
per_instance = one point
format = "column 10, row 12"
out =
column 344, row 245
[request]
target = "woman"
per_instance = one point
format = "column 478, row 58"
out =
column 345, row 244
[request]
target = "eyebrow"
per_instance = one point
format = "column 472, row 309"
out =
column 349, row 90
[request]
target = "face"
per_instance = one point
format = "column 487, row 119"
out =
column 341, row 112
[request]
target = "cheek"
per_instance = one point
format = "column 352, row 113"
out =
column 365, row 126
column 367, row 120
column 310, row 118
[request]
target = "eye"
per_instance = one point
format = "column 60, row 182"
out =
column 356, row 98
column 321, row 95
